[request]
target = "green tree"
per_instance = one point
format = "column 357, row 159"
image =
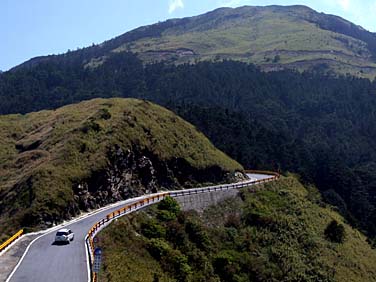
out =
column 168, row 209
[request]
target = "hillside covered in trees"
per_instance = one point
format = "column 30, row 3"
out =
column 319, row 126
column 281, row 231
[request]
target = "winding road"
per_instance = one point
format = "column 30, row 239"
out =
column 45, row 261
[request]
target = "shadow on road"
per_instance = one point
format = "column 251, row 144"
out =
column 59, row 243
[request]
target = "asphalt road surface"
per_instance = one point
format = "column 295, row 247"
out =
column 46, row 261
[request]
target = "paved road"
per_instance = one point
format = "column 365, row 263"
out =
column 46, row 261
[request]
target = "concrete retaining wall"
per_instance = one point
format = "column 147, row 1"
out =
column 201, row 201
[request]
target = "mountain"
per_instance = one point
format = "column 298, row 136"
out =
column 278, row 232
column 315, row 124
column 273, row 37
column 54, row 164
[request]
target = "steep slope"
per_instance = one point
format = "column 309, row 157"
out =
column 274, row 37
column 55, row 163
column 277, row 232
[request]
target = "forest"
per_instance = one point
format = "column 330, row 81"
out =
column 320, row 126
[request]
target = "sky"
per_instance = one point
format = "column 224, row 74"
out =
column 30, row 28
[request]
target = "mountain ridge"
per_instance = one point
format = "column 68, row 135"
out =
column 273, row 37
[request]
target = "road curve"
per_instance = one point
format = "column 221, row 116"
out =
column 45, row 261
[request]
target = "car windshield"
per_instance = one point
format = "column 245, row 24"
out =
column 61, row 233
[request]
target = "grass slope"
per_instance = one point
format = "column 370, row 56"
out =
column 269, row 233
column 43, row 153
column 273, row 37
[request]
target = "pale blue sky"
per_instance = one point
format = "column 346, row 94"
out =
column 30, row 28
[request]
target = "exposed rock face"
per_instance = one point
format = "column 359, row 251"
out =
column 46, row 219
column 129, row 173
column 133, row 173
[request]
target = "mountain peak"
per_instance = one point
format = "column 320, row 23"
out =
column 273, row 37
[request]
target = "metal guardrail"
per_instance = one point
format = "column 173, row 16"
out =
column 4, row 245
column 89, row 239
column 157, row 198
column 267, row 172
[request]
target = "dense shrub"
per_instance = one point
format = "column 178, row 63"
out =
column 158, row 248
column 197, row 235
column 104, row 114
column 169, row 204
column 168, row 209
column 152, row 229
column 335, row 232
column 225, row 266
column 91, row 126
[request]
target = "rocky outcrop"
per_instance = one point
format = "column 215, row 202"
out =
column 132, row 173
column 128, row 173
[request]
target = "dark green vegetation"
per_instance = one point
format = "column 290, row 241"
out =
column 275, row 232
column 274, row 37
column 55, row 163
column 316, row 125
column 335, row 232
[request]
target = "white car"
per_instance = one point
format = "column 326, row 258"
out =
column 64, row 236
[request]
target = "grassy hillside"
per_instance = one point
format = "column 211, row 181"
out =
column 54, row 163
column 273, row 37
column 271, row 233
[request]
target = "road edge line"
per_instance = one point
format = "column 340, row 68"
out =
column 87, row 260
column 23, row 256
column 52, row 229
